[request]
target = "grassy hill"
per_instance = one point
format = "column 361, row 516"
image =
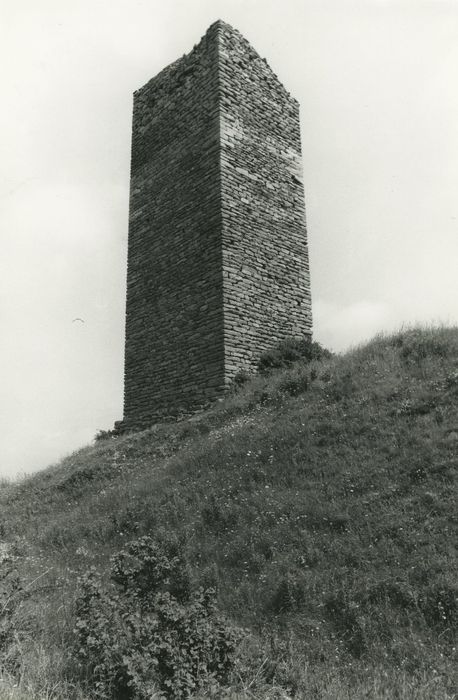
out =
column 319, row 500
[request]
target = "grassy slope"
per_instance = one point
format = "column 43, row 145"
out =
column 320, row 501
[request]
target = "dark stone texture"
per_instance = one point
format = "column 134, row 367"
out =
column 217, row 256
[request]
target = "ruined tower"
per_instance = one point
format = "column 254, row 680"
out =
column 217, row 255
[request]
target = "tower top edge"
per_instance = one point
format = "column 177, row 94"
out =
column 216, row 34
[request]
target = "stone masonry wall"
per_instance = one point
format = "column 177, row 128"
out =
column 265, row 256
column 174, row 355
column 217, row 254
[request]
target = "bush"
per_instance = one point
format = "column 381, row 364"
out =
column 290, row 351
column 241, row 378
column 145, row 567
column 105, row 435
column 148, row 630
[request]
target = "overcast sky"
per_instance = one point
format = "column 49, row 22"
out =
column 377, row 84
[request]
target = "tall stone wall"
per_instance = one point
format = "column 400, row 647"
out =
column 265, row 256
column 174, row 353
column 217, row 258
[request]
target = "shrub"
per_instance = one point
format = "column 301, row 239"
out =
column 290, row 351
column 241, row 378
column 105, row 435
column 144, row 567
column 294, row 383
column 148, row 630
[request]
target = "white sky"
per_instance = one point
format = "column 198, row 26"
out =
column 377, row 83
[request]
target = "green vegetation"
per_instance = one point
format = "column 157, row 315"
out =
column 149, row 629
column 318, row 501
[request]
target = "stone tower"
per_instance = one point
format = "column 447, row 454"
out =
column 217, row 255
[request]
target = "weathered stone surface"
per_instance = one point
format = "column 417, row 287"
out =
column 217, row 255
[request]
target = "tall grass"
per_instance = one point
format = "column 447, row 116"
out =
column 320, row 501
